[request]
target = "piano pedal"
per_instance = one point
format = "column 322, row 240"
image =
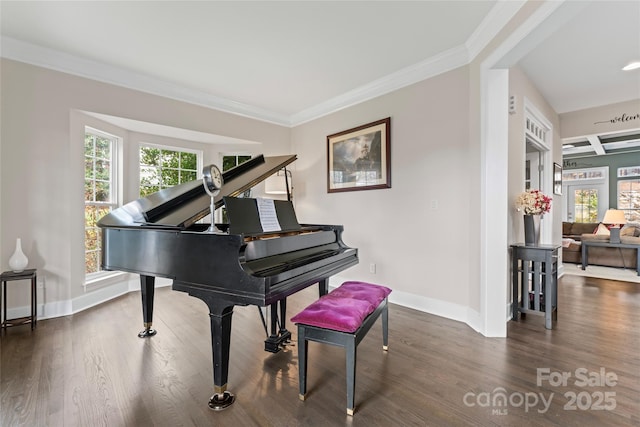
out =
column 274, row 343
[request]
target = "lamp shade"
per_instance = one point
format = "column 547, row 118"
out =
column 614, row 216
column 277, row 183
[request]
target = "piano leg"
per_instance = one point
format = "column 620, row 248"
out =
column 147, row 288
column 220, row 314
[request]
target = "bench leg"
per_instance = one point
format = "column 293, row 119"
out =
column 303, row 346
column 351, row 350
column 385, row 328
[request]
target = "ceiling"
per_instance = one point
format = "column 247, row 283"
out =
column 293, row 61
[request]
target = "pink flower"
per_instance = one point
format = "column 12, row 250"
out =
column 533, row 202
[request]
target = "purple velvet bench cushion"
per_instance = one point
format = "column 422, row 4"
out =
column 344, row 308
column 374, row 294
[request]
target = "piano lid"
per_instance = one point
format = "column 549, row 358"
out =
column 180, row 206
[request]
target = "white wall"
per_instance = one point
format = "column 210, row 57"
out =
column 521, row 87
column 624, row 116
column 417, row 232
column 42, row 169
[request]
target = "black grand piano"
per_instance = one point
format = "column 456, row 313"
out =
column 230, row 264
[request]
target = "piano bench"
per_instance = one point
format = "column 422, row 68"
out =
column 342, row 318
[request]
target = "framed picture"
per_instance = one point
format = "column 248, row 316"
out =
column 557, row 179
column 359, row 158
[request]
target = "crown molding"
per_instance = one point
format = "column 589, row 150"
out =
column 453, row 58
column 500, row 14
column 446, row 61
column 58, row 61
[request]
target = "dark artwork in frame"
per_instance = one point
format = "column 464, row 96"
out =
column 360, row 158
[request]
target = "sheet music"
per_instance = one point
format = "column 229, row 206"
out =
column 268, row 216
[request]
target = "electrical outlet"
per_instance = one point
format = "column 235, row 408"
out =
column 372, row 268
column 40, row 282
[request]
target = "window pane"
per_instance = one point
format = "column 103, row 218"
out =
column 150, row 156
column 103, row 148
column 98, row 187
column 189, row 161
column 91, row 241
column 88, row 191
column 103, row 169
column 586, row 205
column 88, row 167
column 88, row 145
column 163, row 168
column 228, row 162
column 91, row 262
column 146, row 190
column 170, row 177
column 149, row 176
column 242, row 159
column 103, row 191
column 629, row 199
column 89, row 216
column 170, row 159
column 189, row 176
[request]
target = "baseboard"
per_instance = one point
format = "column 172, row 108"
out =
column 54, row 309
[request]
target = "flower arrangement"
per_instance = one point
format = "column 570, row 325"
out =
column 533, row 202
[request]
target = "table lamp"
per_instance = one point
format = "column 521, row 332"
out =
column 614, row 217
column 279, row 183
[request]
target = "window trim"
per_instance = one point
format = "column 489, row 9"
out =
column 90, row 279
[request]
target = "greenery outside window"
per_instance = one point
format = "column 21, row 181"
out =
column 100, row 191
column 629, row 198
column 164, row 167
column 586, row 205
column 231, row 161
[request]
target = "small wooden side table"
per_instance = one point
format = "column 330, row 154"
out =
column 8, row 276
column 535, row 281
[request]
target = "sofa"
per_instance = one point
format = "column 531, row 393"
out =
column 573, row 233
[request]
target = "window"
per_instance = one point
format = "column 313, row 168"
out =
column 586, row 205
column 163, row 167
column 629, row 198
column 228, row 162
column 99, row 191
column 231, row 161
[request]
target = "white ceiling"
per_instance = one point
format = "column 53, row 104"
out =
column 289, row 62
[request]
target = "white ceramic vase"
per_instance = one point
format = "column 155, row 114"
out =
column 18, row 260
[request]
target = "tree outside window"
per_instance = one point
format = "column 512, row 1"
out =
column 232, row 161
column 586, row 206
column 99, row 191
column 163, row 168
column 629, row 198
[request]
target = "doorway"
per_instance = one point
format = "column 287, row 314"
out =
column 537, row 139
column 587, row 193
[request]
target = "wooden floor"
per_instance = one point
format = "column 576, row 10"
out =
column 91, row 369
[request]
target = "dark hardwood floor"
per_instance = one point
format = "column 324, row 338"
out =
column 91, row 369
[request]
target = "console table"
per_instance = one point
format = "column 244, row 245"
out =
column 604, row 244
column 23, row 275
column 535, row 281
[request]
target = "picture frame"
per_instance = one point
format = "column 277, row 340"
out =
column 360, row 158
column 557, row 179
